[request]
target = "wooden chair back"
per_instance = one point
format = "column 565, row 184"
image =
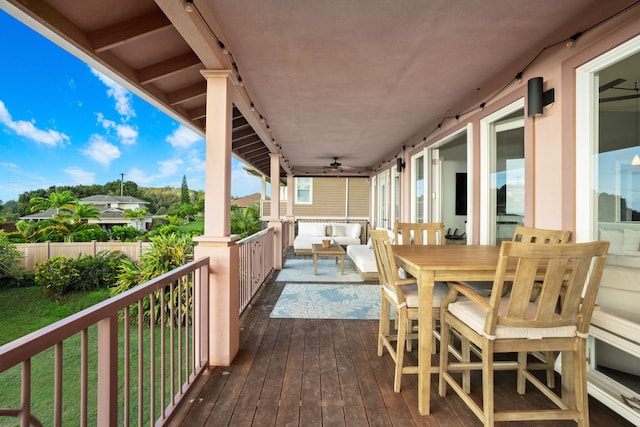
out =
column 570, row 271
column 429, row 233
column 387, row 268
column 540, row 235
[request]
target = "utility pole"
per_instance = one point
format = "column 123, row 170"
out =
column 121, row 184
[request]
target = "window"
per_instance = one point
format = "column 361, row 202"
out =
column 417, row 188
column 304, row 189
column 502, row 186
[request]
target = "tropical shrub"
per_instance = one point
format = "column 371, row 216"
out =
column 166, row 253
column 99, row 271
column 11, row 273
column 88, row 235
column 60, row 275
column 125, row 234
column 57, row 275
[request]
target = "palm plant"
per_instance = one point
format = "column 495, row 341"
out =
column 58, row 200
column 83, row 212
column 245, row 221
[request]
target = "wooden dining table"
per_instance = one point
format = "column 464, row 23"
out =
column 440, row 263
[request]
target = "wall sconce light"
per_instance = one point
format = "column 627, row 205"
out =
column 400, row 164
column 537, row 98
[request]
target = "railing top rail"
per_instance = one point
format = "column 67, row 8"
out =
column 255, row 236
column 31, row 344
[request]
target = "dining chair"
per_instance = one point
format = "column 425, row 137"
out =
column 531, row 235
column 415, row 233
column 558, row 320
column 402, row 295
column 419, row 233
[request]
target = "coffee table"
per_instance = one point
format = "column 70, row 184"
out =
column 332, row 250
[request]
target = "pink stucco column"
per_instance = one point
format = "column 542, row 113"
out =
column 218, row 243
column 291, row 219
column 274, row 220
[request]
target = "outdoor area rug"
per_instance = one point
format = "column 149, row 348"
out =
column 325, row 301
column 301, row 270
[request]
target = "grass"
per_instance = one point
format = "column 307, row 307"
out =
column 196, row 225
column 26, row 310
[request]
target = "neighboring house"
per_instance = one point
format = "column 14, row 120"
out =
column 246, row 201
column 112, row 211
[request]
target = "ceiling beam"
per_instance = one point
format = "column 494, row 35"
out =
column 188, row 93
column 168, row 67
column 124, row 32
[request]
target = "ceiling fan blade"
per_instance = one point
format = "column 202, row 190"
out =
column 619, row 98
column 611, row 84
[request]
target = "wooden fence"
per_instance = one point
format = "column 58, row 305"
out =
column 37, row 253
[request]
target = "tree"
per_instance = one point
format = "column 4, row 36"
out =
column 82, row 213
column 245, row 221
column 187, row 211
column 58, row 200
column 138, row 214
column 184, row 192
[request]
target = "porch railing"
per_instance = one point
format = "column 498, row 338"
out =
column 256, row 262
column 126, row 361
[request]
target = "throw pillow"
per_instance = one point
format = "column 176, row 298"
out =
column 615, row 238
column 631, row 242
column 338, row 230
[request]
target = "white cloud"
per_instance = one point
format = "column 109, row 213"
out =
column 80, row 176
column 139, row 176
column 121, row 95
column 242, row 183
column 127, row 134
column 8, row 165
column 100, row 150
column 195, row 163
column 28, row 130
column 183, row 137
column 107, row 124
column 169, row 167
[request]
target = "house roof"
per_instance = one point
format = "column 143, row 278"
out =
column 317, row 80
column 103, row 199
column 245, row 201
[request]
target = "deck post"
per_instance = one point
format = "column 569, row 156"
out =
column 274, row 219
column 218, row 243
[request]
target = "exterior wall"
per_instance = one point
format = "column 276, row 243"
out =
column 549, row 139
column 332, row 198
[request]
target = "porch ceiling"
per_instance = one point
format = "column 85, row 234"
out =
column 352, row 80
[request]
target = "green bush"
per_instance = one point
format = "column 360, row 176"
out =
column 11, row 273
column 57, row 275
column 125, row 234
column 99, row 271
column 163, row 230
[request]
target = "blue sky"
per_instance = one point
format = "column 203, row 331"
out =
column 64, row 123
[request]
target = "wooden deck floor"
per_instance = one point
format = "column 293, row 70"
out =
column 326, row 373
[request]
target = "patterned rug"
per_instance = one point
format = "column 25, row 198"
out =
column 324, row 301
column 301, row 270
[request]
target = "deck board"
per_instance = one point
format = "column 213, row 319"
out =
column 326, row 372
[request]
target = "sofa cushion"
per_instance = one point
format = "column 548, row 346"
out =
column 364, row 259
column 312, row 229
column 338, row 230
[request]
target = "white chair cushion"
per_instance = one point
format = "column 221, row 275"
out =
column 474, row 316
column 440, row 290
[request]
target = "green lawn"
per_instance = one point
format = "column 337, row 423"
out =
column 26, row 310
